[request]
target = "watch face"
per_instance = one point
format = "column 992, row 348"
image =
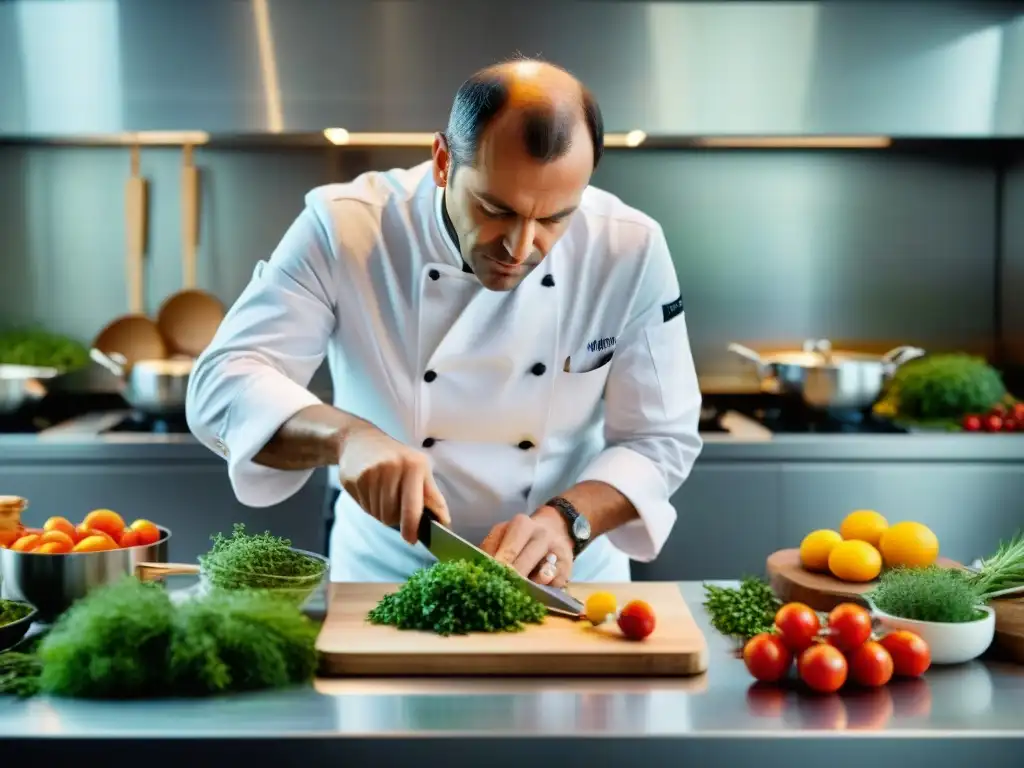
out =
column 581, row 528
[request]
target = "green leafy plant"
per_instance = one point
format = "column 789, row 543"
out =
column 944, row 595
column 37, row 347
column 19, row 674
column 744, row 611
column 11, row 611
column 260, row 561
column 1003, row 570
column 459, row 597
column 944, row 387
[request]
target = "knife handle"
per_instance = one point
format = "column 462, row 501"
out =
column 423, row 532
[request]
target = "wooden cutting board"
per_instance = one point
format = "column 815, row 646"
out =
column 792, row 583
column 1010, row 628
column 350, row 646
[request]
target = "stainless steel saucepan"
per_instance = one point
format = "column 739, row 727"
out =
column 19, row 383
column 825, row 378
column 52, row 583
column 153, row 387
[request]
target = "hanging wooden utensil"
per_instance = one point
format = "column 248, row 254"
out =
column 189, row 318
column 134, row 335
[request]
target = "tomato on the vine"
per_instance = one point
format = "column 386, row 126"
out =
column 870, row 665
column 823, row 668
column 798, row 626
column 911, row 656
column 849, row 626
column 767, row 658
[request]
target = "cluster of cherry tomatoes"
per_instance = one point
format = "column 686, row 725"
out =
column 831, row 653
column 1002, row 418
column 101, row 530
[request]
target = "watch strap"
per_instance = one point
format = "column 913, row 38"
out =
column 569, row 512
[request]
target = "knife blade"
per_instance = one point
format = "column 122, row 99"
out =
column 446, row 545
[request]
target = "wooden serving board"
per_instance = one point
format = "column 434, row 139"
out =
column 350, row 646
column 792, row 583
column 1009, row 638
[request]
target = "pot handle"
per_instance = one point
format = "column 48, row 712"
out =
column 894, row 358
column 750, row 356
column 114, row 362
column 157, row 571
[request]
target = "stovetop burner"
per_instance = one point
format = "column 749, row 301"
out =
column 152, row 425
column 802, row 420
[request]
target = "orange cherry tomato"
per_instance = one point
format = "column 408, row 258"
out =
column 26, row 543
column 58, row 537
column 83, row 532
column 60, row 524
column 128, row 539
column 147, row 531
column 106, row 520
column 9, row 537
column 53, row 548
column 95, row 543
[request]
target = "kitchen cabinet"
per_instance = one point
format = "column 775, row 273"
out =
column 193, row 499
column 727, row 524
column 969, row 506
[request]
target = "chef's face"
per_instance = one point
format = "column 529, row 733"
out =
column 507, row 208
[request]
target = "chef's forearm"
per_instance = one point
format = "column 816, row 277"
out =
column 313, row 437
column 604, row 506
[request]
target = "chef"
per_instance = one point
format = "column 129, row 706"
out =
column 507, row 345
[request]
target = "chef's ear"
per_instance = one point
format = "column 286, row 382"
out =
column 442, row 159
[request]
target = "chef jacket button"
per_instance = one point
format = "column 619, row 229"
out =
column 429, row 376
column 434, row 274
column 538, row 369
column 525, row 445
column 526, row 491
column 548, row 281
column 429, row 442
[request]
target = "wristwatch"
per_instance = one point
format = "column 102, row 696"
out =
column 579, row 526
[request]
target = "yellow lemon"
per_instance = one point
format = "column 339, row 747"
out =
column 816, row 547
column 855, row 560
column 600, row 607
column 909, row 544
column 864, row 525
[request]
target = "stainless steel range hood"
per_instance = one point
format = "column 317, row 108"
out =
column 236, row 67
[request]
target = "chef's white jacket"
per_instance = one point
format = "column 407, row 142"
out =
column 583, row 372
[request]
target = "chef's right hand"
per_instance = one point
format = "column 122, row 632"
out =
column 391, row 481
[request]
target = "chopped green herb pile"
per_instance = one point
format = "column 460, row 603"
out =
column 11, row 612
column 742, row 612
column 19, row 674
column 460, row 597
column 260, row 561
column 927, row 594
column 128, row 640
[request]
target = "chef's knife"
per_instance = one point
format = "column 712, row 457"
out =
column 445, row 545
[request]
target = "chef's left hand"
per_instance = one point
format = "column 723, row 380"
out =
column 524, row 542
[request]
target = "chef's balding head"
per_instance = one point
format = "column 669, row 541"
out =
column 522, row 141
column 543, row 103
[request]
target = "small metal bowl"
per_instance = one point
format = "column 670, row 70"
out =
column 11, row 634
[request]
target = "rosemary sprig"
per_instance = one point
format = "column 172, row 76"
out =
column 1003, row 570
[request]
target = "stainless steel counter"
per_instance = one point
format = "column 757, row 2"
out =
column 952, row 716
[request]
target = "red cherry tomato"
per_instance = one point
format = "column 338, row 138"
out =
column 798, row 625
column 849, row 626
column 993, row 423
column 636, row 620
column 823, row 668
column 870, row 665
column 972, row 423
column 767, row 657
column 911, row 656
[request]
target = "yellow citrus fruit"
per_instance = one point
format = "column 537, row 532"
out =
column 816, row 547
column 864, row 525
column 855, row 560
column 909, row 544
column 600, row 607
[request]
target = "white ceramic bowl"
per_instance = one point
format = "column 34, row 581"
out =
column 949, row 643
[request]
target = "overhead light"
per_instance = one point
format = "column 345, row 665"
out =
column 137, row 138
column 794, row 142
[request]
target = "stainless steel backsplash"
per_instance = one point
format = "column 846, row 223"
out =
column 869, row 248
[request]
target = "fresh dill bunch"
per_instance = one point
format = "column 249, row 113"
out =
column 258, row 561
column 459, row 597
column 944, row 595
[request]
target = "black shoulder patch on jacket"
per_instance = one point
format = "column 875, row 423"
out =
column 672, row 309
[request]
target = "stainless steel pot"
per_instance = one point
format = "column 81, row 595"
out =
column 154, row 387
column 52, row 583
column 825, row 378
column 19, row 383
